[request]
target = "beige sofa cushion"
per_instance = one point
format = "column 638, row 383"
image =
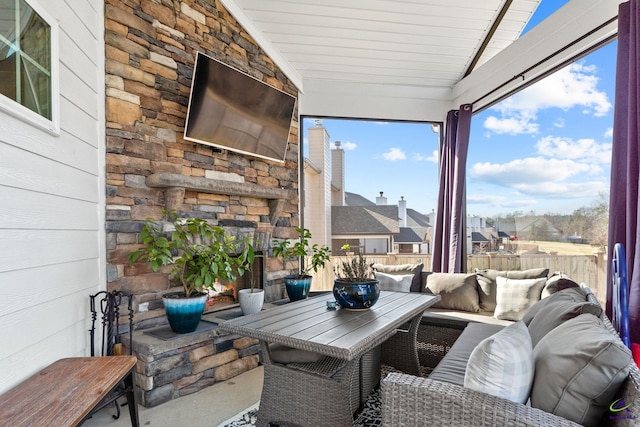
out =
column 487, row 283
column 457, row 291
column 579, row 368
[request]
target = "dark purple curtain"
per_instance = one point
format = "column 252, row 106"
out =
column 625, row 161
column 448, row 253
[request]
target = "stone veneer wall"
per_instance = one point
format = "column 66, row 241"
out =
column 150, row 51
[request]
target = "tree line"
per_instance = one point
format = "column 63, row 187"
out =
column 588, row 224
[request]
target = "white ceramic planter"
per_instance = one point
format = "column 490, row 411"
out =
column 251, row 300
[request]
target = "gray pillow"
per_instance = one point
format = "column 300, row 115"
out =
column 394, row 282
column 515, row 296
column 557, row 281
column 567, row 295
column 487, row 283
column 556, row 313
column 283, row 354
column 579, row 368
column 415, row 269
column 458, row 291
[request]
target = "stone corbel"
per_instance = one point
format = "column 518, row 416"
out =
column 175, row 186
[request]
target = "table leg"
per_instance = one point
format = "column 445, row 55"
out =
column 131, row 400
column 400, row 350
column 295, row 397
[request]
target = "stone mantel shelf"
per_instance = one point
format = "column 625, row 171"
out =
column 176, row 184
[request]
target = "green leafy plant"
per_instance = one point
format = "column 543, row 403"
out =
column 199, row 252
column 316, row 255
column 356, row 269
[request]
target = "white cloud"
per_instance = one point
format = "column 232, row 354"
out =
column 559, row 123
column 511, row 125
column 524, row 171
column 608, row 133
column 587, row 150
column 394, row 154
column 572, row 86
column 541, row 177
column 348, row 146
column 500, row 201
column 564, row 189
column 433, row 158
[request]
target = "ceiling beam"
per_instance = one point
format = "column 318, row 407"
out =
column 489, row 36
column 566, row 35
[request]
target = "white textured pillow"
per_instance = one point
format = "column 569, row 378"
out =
column 515, row 296
column 394, row 282
column 502, row 365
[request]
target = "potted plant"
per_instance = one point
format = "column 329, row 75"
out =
column 251, row 300
column 316, row 256
column 201, row 254
column 355, row 287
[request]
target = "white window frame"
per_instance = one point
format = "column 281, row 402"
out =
column 25, row 114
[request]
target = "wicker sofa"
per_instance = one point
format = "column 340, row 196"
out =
column 440, row 399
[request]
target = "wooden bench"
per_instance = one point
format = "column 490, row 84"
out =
column 65, row 392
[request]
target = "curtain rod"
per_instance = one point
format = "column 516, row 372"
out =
column 542, row 61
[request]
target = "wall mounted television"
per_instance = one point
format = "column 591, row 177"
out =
column 230, row 109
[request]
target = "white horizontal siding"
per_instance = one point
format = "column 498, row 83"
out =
column 52, row 247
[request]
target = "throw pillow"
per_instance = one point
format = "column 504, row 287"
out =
column 402, row 269
column 394, row 282
column 557, row 281
column 580, row 367
column 458, row 291
column 567, row 295
column 502, row 365
column 487, row 283
column 283, row 354
column 557, row 312
column 515, row 296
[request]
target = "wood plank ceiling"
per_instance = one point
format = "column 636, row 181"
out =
column 364, row 55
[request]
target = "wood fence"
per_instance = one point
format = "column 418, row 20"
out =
column 588, row 269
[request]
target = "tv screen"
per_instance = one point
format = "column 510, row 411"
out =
column 232, row 110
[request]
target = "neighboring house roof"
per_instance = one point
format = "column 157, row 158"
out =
column 411, row 235
column 364, row 220
column 478, row 237
column 353, row 199
column 503, row 235
column 415, row 218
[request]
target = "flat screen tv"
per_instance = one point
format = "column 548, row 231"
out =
column 232, row 110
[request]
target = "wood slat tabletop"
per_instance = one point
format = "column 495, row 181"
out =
column 63, row 393
column 341, row 333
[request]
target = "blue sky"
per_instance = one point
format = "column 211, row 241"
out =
column 546, row 149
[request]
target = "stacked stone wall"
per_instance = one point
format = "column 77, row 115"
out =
column 170, row 369
column 150, row 48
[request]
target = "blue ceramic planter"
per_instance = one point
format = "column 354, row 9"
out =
column 183, row 313
column 297, row 286
column 356, row 295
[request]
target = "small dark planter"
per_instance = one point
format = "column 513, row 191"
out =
column 356, row 295
column 297, row 286
column 183, row 313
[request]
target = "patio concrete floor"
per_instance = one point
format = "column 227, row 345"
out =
column 206, row 408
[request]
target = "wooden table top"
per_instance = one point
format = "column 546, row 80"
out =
column 346, row 334
column 63, row 393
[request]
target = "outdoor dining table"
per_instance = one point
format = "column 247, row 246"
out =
column 326, row 392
